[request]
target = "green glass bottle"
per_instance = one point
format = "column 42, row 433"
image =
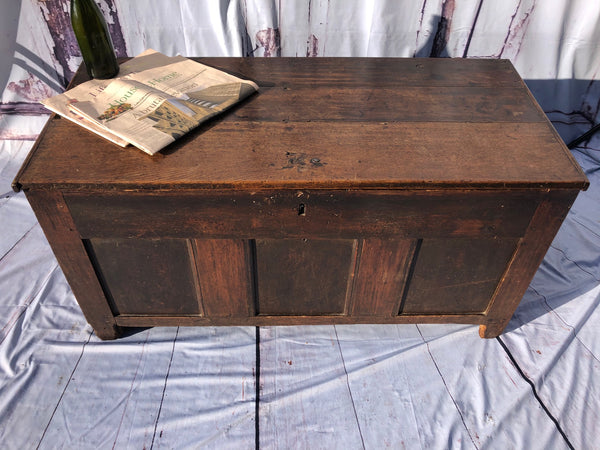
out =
column 94, row 39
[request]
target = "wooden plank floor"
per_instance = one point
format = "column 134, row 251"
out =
column 408, row 386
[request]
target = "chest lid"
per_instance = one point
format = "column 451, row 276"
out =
column 335, row 123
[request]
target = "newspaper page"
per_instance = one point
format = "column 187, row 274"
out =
column 152, row 108
column 89, row 90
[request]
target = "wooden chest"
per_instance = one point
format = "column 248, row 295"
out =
column 346, row 191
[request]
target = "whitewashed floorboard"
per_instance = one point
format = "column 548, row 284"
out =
column 496, row 405
column 305, row 400
column 132, row 371
column 12, row 155
column 209, row 395
column 555, row 349
column 16, row 220
column 168, row 388
column 37, row 358
column 24, row 271
column 16, row 216
column 394, row 381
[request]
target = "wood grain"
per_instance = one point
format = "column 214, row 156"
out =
column 303, row 277
column 385, row 72
column 338, row 123
column 531, row 251
column 381, row 276
column 296, row 155
column 225, row 271
column 455, row 276
column 346, row 191
column 328, row 213
column 151, row 320
column 356, row 104
column 146, row 274
column 54, row 218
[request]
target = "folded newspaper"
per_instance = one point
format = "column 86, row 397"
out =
column 155, row 100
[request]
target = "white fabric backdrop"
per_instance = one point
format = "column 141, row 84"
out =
column 427, row 386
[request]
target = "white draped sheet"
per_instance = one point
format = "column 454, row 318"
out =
column 392, row 386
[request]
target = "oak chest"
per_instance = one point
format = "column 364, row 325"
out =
column 347, row 190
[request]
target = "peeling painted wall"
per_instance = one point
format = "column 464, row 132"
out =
column 554, row 45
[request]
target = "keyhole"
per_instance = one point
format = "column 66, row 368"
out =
column 301, row 209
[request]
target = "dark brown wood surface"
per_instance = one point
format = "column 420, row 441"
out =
column 55, row 220
column 456, row 276
column 304, row 276
column 337, row 123
column 381, row 276
column 225, row 276
column 347, row 190
column 142, row 275
column 327, row 213
column 532, row 248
